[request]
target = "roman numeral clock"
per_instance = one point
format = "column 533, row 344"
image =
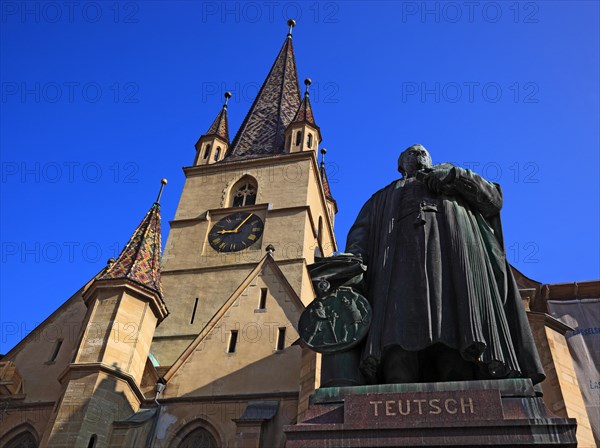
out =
column 236, row 231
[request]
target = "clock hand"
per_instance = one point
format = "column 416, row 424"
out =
column 242, row 223
column 223, row 232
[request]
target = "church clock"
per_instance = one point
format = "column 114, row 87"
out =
column 235, row 232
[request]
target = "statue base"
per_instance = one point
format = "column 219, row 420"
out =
column 467, row 413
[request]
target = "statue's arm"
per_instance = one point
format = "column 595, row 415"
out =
column 483, row 195
column 453, row 180
column 357, row 242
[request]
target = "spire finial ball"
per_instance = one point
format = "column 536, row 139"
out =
column 227, row 95
column 307, row 82
column 163, row 181
column 323, row 151
column 291, row 23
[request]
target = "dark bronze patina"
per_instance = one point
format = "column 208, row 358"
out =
column 445, row 306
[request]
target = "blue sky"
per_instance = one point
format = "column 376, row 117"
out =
column 100, row 100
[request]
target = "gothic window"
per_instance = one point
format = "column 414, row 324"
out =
column 309, row 140
column 298, row 138
column 92, row 442
column 207, row 151
column 200, row 438
column 244, row 193
column 23, row 440
column 217, row 153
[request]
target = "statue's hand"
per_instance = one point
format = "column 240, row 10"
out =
column 439, row 178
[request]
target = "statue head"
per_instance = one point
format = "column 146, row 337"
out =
column 413, row 159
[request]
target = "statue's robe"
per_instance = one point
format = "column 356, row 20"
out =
column 437, row 273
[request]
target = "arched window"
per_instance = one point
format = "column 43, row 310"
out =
column 298, row 138
column 207, row 151
column 217, row 154
column 199, row 438
column 244, row 192
column 23, row 440
column 309, row 140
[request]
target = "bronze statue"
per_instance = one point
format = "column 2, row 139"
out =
column 445, row 304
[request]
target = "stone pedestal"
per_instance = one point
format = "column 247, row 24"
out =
column 472, row 413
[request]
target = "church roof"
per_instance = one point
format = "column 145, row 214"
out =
column 220, row 126
column 140, row 259
column 276, row 104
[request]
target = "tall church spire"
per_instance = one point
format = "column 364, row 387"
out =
column 262, row 132
column 140, row 259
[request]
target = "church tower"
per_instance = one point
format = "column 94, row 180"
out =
column 266, row 188
column 102, row 383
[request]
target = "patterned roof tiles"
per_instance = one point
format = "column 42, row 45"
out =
column 262, row 132
column 305, row 113
column 326, row 187
column 140, row 259
column 220, row 127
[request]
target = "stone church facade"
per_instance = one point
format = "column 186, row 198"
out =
column 200, row 347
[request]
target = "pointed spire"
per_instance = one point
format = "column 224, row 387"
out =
column 140, row 259
column 305, row 113
column 324, row 180
column 262, row 132
column 220, row 127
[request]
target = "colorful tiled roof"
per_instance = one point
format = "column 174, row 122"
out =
column 305, row 113
column 140, row 259
column 326, row 187
column 220, row 126
column 262, row 132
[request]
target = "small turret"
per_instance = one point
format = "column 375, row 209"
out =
column 212, row 146
column 303, row 134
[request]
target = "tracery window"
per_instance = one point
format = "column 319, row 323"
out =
column 244, row 192
column 199, row 438
column 23, row 440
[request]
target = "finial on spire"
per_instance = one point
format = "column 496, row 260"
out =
column 323, row 152
column 307, row 83
column 163, row 182
column 270, row 249
column 227, row 96
column 291, row 23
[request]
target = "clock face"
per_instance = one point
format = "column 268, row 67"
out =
column 236, row 232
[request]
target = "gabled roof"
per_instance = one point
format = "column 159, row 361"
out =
column 220, row 126
column 262, row 132
column 267, row 260
column 140, row 259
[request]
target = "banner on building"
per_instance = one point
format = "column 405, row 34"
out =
column 584, row 345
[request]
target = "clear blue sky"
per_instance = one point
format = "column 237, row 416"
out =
column 102, row 99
